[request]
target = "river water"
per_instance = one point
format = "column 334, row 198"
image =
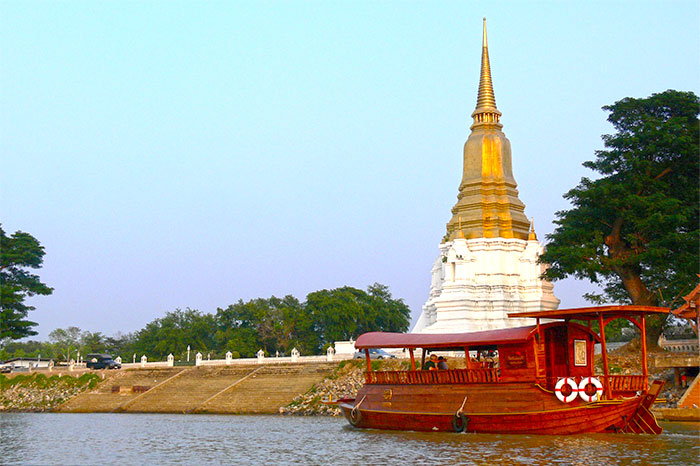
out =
column 125, row 439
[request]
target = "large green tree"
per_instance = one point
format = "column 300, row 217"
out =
column 274, row 324
column 347, row 312
column 19, row 253
column 66, row 341
column 174, row 332
column 634, row 228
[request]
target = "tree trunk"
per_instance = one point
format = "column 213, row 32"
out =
column 632, row 282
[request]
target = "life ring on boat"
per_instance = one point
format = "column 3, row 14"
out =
column 459, row 422
column 574, row 390
column 590, row 381
column 355, row 416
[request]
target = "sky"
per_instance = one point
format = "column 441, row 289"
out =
column 191, row 154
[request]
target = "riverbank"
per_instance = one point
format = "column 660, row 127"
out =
column 239, row 389
column 289, row 389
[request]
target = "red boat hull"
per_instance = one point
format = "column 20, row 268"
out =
column 624, row 415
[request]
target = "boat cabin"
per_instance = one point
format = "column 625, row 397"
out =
column 541, row 354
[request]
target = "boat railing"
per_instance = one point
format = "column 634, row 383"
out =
column 626, row 383
column 619, row 384
column 449, row 376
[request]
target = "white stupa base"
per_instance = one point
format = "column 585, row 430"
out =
column 477, row 282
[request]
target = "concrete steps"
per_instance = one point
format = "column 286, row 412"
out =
column 186, row 392
column 103, row 400
column 268, row 389
column 249, row 389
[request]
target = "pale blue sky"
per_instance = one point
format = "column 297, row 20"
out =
column 175, row 154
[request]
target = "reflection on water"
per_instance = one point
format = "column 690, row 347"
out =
column 180, row 439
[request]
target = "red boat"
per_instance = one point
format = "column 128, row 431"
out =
column 539, row 380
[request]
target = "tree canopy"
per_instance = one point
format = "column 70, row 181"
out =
column 18, row 253
column 634, row 229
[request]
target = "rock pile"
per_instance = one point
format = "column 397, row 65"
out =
column 36, row 393
column 345, row 381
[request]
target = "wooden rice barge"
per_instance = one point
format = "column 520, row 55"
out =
column 542, row 383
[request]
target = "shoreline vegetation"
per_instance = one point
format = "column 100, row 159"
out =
column 40, row 393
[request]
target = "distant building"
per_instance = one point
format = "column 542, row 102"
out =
column 29, row 363
column 487, row 266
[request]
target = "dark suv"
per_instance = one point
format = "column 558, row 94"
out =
column 101, row 361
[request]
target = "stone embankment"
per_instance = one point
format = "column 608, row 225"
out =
column 37, row 392
column 241, row 389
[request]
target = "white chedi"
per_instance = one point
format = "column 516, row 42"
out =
column 477, row 282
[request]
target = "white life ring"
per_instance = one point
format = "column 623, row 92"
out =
column 582, row 389
column 574, row 389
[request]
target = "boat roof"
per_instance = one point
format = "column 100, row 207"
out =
column 590, row 313
column 444, row 340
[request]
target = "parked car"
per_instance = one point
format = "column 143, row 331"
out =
column 6, row 368
column 101, row 361
column 375, row 353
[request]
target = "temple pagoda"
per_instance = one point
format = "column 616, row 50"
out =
column 488, row 262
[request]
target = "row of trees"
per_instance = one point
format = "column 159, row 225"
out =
column 275, row 325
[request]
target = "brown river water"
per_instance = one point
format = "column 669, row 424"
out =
column 163, row 439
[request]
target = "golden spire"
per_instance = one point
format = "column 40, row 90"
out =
column 487, row 203
column 486, row 111
column 532, row 235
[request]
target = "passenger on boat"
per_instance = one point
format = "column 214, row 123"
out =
column 442, row 363
column 431, row 365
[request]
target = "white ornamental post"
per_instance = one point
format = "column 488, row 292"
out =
column 295, row 354
column 261, row 356
column 144, row 360
column 198, row 359
column 229, row 358
column 188, row 353
column 329, row 354
column 171, row 360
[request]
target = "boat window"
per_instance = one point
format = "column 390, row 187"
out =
column 580, row 353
